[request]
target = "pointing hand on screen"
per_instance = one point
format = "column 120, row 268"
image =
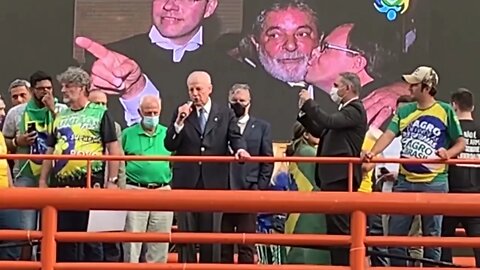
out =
column 113, row 72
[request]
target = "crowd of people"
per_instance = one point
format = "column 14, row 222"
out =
column 334, row 86
column 422, row 127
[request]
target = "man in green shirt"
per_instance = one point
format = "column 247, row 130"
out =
column 429, row 129
column 146, row 139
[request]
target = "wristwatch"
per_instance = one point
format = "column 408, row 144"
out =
column 113, row 180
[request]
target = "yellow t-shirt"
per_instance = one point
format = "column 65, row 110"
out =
column 370, row 139
column 3, row 163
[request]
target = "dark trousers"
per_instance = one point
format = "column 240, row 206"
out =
column 339, row 224
column 375, row 228
column 102, row 252
column 472, row 229
column 239, row 223
column 199, row 222
column 71, row 221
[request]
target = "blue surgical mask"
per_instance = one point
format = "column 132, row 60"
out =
column 150, row 122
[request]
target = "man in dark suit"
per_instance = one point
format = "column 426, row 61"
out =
column 247, row 176
column 341, row 135
column 202, row 128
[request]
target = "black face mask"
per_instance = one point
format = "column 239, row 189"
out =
column 238, row 109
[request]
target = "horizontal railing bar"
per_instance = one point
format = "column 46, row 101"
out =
column 206, row 238
column 19, row 265
column 243, row 202
column 330, row 160
column 20, row 235
column 411, row 241
column 252, row 238
column 181, row 266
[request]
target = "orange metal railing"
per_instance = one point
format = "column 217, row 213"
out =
column 359, row 204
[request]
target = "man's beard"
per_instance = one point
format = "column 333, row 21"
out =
column 280, row 71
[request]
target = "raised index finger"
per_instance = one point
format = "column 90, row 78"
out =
column 98, row 50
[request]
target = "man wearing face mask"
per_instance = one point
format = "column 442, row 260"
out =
column 341, row 135
column 247, row 176
column 146, row 139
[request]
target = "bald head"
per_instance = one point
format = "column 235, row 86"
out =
column 98, row 97
column 199, row 77
column 150, row 105
column 199, row 85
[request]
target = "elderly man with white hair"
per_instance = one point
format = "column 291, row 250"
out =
column 147, row 139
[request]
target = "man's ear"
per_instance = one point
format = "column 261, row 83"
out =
column 359, row 63
column 210, row 8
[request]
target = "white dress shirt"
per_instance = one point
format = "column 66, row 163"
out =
column 242, row 123
column 207, row 108
column 178, row 50
column 131, row 105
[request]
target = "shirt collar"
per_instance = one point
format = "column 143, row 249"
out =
column 141, row 131
column 207, row 107
column 346, row 103
column 244, row 119
column 157, row 38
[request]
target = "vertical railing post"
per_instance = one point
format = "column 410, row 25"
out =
column 89, row 174
column 358, row 228
column 49, row 245
column 350, row 176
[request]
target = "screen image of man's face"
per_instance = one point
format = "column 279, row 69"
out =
column 175, row 19
column 334, row 57
column 286, row 42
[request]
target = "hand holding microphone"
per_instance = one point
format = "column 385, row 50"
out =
column 183, row 112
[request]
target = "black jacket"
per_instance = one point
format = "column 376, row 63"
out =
column 221, row 131
column 248, row 175
column 341, row 135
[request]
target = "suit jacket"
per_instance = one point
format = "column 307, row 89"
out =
column 282, row 100
column 221, row 131
column 341, row 135
column 249, row 175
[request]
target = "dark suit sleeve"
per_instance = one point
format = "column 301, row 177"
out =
column 234, row 136
column 266, row 149
column 173, row 139
column 345, row 118
column 311, row 126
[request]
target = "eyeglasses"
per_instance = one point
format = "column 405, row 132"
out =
column 325, row 45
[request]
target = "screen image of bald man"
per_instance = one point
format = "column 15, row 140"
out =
column 341, row 135
column 201, row 127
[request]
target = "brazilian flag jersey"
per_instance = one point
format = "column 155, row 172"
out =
column 82, row 132
column 423, row 132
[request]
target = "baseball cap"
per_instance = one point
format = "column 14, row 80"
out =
column 423, row 74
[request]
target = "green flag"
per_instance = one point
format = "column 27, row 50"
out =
column 303, row 175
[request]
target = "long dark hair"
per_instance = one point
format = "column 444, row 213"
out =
column 298, row 132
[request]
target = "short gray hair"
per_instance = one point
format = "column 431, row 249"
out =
column 76, row 76
column 259, row 24
column 238, row 86
column 143, row 98
column 352, row 79
column 19, row 83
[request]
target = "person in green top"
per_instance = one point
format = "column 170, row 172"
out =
column 429, row 129
column 303, row 175
column 146, row 139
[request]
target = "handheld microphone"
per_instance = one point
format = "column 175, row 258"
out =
column 183, row 115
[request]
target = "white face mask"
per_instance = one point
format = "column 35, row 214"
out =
column 334, row 95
